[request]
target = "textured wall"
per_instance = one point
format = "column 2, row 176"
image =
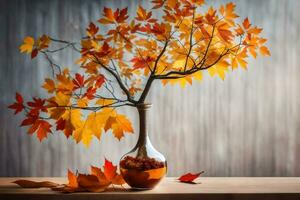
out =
column 247, row 125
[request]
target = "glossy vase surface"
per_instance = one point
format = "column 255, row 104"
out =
column 143, row 167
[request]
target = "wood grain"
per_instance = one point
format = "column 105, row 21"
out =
column 170, row 188
column 247, row 125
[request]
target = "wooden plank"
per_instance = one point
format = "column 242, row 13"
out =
column 247, row 125
column 211, row 188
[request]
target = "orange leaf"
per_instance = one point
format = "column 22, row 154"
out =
column 246, row 23
column 264, row 51
column 35, row 184
column 49, row 85
column 108, row 16
column 142, row 14
column 92, row 29
column 100, row 175
column 90, row 183
column 72, row 180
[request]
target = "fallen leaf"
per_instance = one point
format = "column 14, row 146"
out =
column 189, row 178
column 35, row 184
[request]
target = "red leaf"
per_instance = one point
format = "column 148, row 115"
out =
column 29, row 120
column 60, row 124
column 92, row 29
column 34, row 53
column 18, row 105
column 109, row 170
column 122, row 16
column 78, row 81
column 43, row 130
column 42, row 127
column 19, row 98
column 100, row 81
column 140, row 63
column 37, row 104
column 90, row 93
column 189, row 178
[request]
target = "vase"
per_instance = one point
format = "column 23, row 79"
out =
column 143, row 167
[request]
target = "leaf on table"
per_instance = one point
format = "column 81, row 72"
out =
column 189, row 177
column 91, row 183
column 35, row 184
column 98, row 181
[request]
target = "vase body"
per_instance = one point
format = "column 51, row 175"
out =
column 143, row 167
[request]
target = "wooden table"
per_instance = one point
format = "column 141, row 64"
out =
column 206, row 188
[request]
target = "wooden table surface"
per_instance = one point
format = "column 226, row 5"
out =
column 206, row 188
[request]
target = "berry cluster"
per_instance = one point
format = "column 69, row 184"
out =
column 142, row 164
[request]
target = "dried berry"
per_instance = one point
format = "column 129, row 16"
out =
column 142, row 164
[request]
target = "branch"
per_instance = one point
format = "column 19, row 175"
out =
column 72, row 44
column 150, row 79
column 118, row 79
column 191, row 71
column 51, row 63
column 191, row 42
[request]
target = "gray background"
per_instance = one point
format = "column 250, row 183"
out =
column 247, row 125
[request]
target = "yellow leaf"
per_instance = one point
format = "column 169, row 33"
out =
column 198, row 76
column 109, row 122
column 27, row 45
column 61, row 100
column 219, row 69
column 65, row 83
column 83, row 102
column 92, row 126
column 104, row 102
column 181, row 81
column 180, row 64
column 121, row 125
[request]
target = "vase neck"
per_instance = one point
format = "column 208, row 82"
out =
column 143, row 110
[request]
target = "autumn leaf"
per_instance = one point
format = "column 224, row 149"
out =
column 219, row 69
column 49, row 85
column 42, row 129
column 246, row 23
column 18, row 106
column 78, row 81
column 157, row 3
column 92, row 30
column 189, row 178
column 228, row 12
column 264, row 51
column 121, row 15
column 110, row 173
column 119, row 125
column 35, row 184
column 240, row 59
column 90, row 183
column 119, row 57
column 108, row 16
column 27, row 45
column 105, row 102
column 72, row 180
column 141, row 63
column 142, row 14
